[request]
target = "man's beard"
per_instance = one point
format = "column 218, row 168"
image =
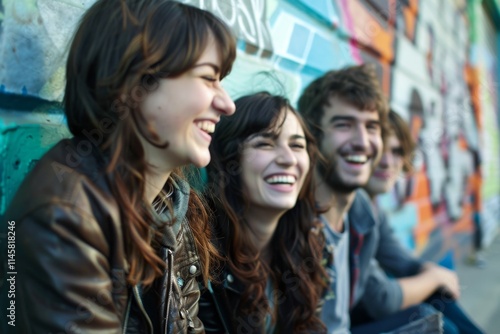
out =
column 331, row 177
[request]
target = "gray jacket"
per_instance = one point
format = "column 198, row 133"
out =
column 374, row 248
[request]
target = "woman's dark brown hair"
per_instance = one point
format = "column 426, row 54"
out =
column 120, row 50
column 295, row 246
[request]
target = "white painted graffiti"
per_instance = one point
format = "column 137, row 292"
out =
column 246, row 17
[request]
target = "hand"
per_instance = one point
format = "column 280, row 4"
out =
column 445, row 278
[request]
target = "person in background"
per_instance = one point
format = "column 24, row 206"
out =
column 347, row 114
column 414, row 281
column 109, row 236
column 261, row 189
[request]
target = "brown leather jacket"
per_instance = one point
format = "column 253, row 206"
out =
column 70, row 258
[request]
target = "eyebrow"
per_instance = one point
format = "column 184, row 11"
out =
column 264, row 134
column 274, row 136
column 212, row 65
column 351, row 118
column 298, row 137
column 341, row 118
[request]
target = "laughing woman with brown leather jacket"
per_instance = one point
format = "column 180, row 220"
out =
column 109, row 237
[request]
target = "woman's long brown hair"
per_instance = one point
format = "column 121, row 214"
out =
column 296, row 246
column 119, row 52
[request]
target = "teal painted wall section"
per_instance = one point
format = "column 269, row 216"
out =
column 431, row 57
column 23, row 140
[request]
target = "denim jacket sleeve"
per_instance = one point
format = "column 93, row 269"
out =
column 391, row 255
column 383, row 296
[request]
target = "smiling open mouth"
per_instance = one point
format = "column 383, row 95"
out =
column 207, row 126
column 356, row 158
column 281, row 179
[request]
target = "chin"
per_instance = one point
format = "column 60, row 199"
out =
column 288, row 206
column 201, row 160
column 359, row 183
column 281, row 206
column 376, row 191
column 201, row 164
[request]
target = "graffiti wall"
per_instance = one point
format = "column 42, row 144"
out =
column 435, row 60
column 429, row 89
column 485, row 60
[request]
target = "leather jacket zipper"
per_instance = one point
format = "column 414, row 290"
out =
column 127, row 313
column 141, row 307
column 170, row 263
column 218, row 308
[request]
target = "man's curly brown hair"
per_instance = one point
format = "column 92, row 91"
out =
column 357, row 85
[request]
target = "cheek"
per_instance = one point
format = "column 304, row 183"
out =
column 246, row 185
column 159, row 115
column 336, row 140
column 327, row 149
column 328, row 141
column 256, row 161
column 398, row 166
column 304, row 162
column 148, row 107
column 379, row 144
column 249, row 169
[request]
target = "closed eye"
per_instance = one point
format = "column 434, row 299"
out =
column 340, row 125
column 299, row 146
column 373, row 126
column 210, row 79
column 398, row 152
column 262, row 144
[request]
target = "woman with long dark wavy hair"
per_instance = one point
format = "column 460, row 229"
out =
column 261, row 189
column 109, row 236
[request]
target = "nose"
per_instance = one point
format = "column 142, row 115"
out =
column 384, row 160
column 361, row 140
column 286, row 157
column 223, row 103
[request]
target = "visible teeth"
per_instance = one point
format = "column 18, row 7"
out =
column 357, row 158
column 206, row 126
column 281, row 179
